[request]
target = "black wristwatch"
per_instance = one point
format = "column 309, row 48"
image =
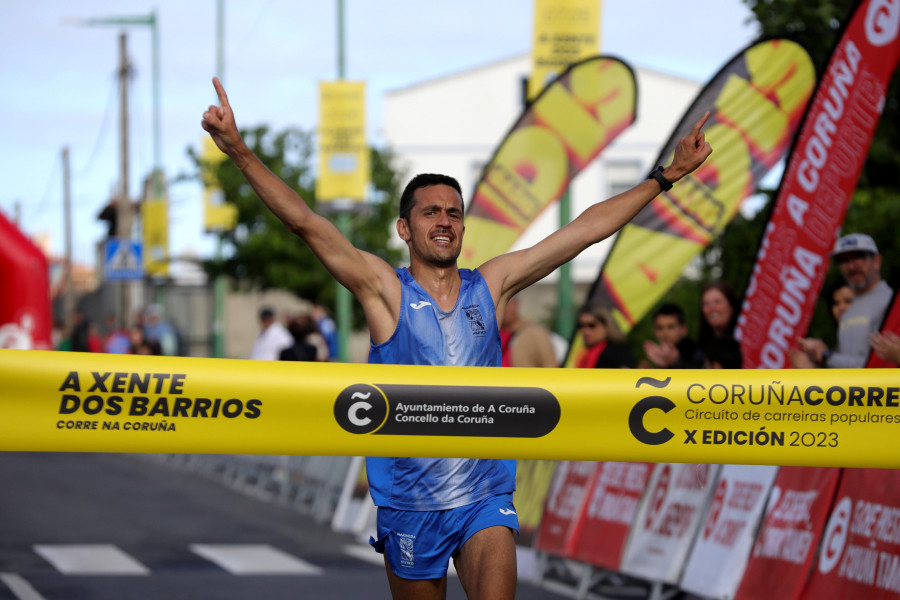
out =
column 657, row 174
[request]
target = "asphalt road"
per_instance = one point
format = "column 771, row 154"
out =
column 113, row 527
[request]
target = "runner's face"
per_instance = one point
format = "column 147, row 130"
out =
column 668, row 330
column 435, row 227
column 716, row 310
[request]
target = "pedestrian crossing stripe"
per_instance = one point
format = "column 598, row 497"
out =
column 237, row 559
column 254, row 559
column 90, row 559
column 20, row 588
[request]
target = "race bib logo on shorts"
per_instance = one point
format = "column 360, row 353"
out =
column 407, row 554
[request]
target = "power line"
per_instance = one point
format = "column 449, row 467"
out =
column 101, row 134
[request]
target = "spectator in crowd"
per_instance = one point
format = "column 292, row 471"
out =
column 886, row 345
column 524, row 343
column 604, row 342
column 840, row 296
column 858, row 259
column 301, row 327
column 158, row 329
column 136, row 337
column 673, row 348
column 272, row 338
column 719, row 310
column 148, row 347
column 84, row 336
column 327, row 329
column 117, row 340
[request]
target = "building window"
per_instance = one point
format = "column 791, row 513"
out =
column 622, row 175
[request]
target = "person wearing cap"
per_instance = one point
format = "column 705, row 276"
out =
column 858, row 259
column 272, row 339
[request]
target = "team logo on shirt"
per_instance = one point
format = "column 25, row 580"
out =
column 473, row 314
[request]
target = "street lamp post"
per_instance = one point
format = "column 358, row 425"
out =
column 150, row 21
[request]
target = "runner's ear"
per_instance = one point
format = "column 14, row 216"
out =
column 403, row 229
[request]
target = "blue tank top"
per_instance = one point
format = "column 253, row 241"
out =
column 467, row 335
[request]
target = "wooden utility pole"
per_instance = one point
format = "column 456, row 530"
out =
column 123, row 203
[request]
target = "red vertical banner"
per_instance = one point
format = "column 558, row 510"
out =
column 818, row 183
column 25, row 314
column 891, row 325
column 564, row 503
column 860, row 553
column 782, row 555
column 601, row 530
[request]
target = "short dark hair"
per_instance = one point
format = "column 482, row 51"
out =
column 425, row 180
column 670, row 309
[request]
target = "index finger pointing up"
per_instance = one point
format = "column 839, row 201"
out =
column 697, row 127
column 220, row 91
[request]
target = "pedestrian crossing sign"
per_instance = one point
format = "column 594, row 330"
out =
column 123, row 260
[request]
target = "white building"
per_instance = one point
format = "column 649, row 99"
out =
column 453, row 125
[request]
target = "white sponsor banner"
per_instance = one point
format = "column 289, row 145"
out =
column 719, row 555
column 667, row 520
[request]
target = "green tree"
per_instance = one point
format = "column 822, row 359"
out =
column 262, row 253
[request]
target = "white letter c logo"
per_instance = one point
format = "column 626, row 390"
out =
column 354, row 409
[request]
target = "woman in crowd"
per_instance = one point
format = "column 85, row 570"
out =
column 719, row 310
column 604, row 343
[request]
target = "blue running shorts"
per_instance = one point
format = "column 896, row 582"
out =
column 419, row 544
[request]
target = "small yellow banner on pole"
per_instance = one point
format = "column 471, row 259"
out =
column 217, row 215
column 155, row 218
column 565, row 31
column 343, row 151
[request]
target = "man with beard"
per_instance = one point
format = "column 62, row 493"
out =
column 858, row 259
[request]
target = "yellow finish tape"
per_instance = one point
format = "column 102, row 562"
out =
column 80, row 402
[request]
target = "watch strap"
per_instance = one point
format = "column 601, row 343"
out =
column 657, row 174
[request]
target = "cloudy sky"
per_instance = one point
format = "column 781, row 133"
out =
column 59, row 84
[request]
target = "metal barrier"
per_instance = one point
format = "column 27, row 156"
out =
column 310, row 484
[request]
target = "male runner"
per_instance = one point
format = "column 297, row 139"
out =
column 431, row 510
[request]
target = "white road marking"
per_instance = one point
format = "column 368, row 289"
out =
column 20, row 588
column 90, row 559
column 254, row 559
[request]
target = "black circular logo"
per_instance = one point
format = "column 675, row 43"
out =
column 360, row 408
